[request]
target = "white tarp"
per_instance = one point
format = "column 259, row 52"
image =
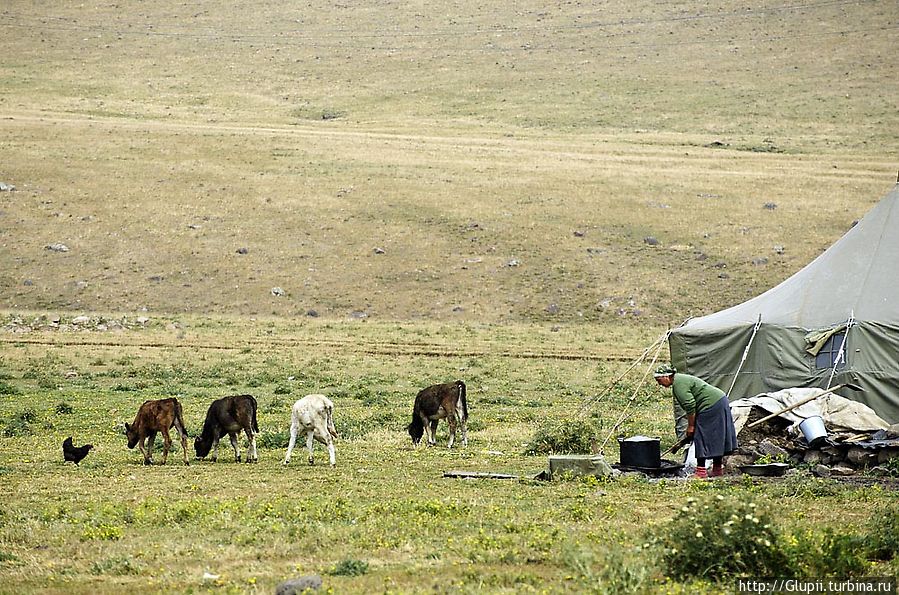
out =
column 840, row 414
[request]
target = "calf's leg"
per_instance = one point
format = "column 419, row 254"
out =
column 235, row 445
column 309, row 435
column 252, row 457
column 293, row 441
column 166, row 445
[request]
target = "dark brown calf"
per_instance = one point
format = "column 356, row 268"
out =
column 229, row 415
column 441, row 401
column 152, row 417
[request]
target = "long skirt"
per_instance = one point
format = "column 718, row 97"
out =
column 714, row 434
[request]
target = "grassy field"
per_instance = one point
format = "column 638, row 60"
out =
column 441, row 162
column 365, row 198
column 384, row 519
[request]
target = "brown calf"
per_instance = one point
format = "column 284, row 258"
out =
column 157, row 416
column 441, row 401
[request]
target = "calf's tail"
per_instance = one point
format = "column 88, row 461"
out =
column 463, row 400
column 179, row 420
column 255, row 423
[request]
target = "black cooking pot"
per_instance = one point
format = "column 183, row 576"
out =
column 640, row 451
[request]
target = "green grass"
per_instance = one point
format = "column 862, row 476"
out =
column 384, row 518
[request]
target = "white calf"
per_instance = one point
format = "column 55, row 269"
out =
column 313, row 413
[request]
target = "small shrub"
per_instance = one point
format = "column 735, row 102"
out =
column 349, row 567
column 9, row 389
column 883, row 534
column 64, row 408
column 102, row 532
column 716, row 538
column 275, row 439
column 20, row 425
column 567, row 436
column 828, row 554
column 283, row 389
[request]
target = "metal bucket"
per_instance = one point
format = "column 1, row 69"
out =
column 641, row 452
column 813, row 429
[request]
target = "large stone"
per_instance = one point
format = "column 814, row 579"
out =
column 734, row 462
column 859, row 457
column 821, row 470
column 767, row 447
column 295, row 586
column 815, row 457
column 842, row 470
column 580, row 465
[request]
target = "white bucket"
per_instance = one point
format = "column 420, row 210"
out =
column 813, row 429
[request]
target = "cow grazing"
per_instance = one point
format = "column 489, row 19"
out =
column 229, row 415
column 315, row 415
column 152, row 417
column 441, row 401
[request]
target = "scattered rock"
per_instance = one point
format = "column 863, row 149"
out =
column 278, row 292
column 767, row 447
column 778, row 249
column 56, row 247
column 770, row 206
column 27, row 282
column 312, row 313
column 458, row 309
column 81, row 320
column 859, row 457
column 723, row 276
column 815, row 457
column 650, row 241
column 821, row 471
column 312, row 582
column 842, row 470
column 553, row 308
column 579, row 234
column 4, row 187
column 513, row 263
column 380, row 251
column 759, row 261
column 701, row 256
column 243, row 250
column 720, row 265
column 358, row 315
column 142, row 320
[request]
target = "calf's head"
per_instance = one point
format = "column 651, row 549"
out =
column 416, row 431
column 202, row 447
column 131, row 434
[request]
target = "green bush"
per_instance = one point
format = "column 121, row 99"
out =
column 20, row 425
column 883, row 534
column 566, row 436
column 828, row 553
column 349, row 567
column 64, row 408
column 8, row 389
column 716, row 538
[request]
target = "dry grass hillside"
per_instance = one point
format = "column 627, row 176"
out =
column 599, row 161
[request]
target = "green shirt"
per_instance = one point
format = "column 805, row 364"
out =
column 694, row 394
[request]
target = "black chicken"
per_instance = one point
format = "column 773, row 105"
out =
column 74, row 453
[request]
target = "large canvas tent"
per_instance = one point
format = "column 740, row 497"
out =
column 834, row 321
